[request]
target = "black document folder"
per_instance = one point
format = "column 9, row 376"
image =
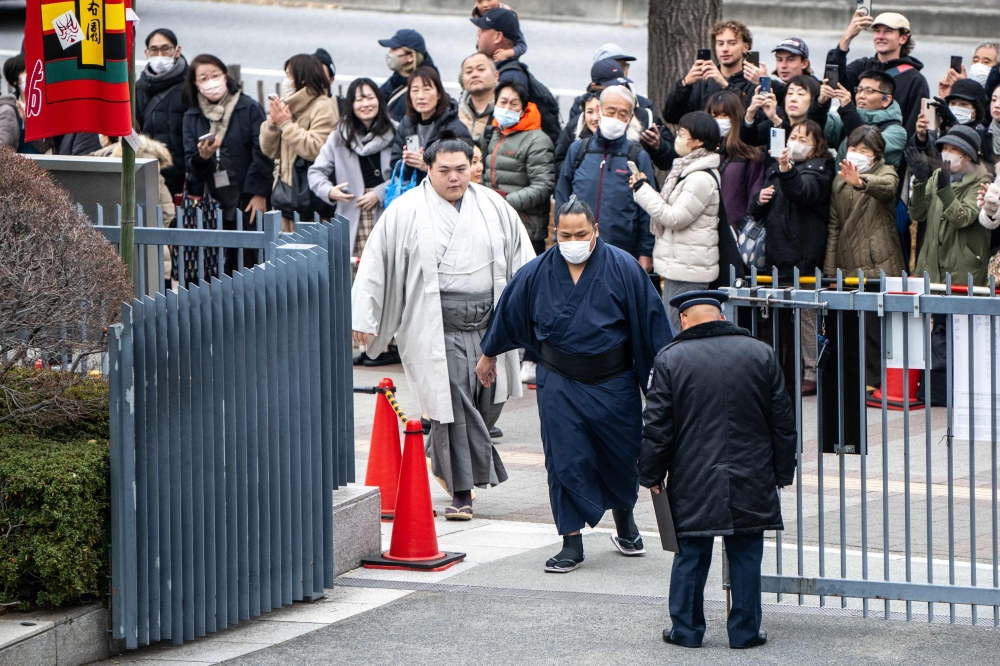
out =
column 665, row 521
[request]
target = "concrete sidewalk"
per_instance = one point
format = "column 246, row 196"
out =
column 501, row 608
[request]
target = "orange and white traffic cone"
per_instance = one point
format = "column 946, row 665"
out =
column 414, row 539
column 384, row 455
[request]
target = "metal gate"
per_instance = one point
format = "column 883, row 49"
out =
column 231, row 425
column 914, row 513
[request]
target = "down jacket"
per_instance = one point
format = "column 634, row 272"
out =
column 862, row 230
column 518, row 165
column 313, row 118
column 686, row 223
column 719, row 420
column 797, row 215
column 954, row 241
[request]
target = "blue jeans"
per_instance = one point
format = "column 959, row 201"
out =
column 687, row 588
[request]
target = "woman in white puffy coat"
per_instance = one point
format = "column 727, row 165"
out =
column 684, row 215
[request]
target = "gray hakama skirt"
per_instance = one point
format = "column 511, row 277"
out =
column 462, row 453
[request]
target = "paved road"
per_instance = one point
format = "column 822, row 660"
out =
column 261, row 37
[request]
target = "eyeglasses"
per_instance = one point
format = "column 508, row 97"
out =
column 213, row 77
column 869, row 91
column 166, row 50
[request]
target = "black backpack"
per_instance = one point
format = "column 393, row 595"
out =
column 543, row 98
column 634, row 150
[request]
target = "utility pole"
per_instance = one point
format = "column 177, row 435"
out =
column 128, row 173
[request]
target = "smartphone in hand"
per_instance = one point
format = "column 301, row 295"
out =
column 206, row 137
column 704, row 54
column 832, row 76
column 930, row 113
column 956, row 63
column 413, row 143
column 633, row 168
column 765, row 85
column 865, row 7
column 777, row 141
column 753, row 57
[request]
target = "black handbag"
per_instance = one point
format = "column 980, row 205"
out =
column 294, row 198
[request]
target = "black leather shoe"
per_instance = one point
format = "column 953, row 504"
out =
column 390, row 357
column 753, row 642
column 496, row 433
column 668, row 637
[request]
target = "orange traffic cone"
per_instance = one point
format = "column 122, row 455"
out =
column 894, row 398
column 384, row 456
column 414, row 539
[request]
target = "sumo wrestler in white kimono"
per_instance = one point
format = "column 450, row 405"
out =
column 434, row 265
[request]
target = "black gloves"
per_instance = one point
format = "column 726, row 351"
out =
column 944, row 175
column 946, row 118
column 917, row 162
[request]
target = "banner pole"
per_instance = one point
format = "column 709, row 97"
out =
column 128, row 171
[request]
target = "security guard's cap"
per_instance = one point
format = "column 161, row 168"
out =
column 701, row 297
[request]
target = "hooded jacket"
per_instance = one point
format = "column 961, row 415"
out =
column 687, row 244
column 694, row 97
column 719, row 425
column 602, row 180
column 159, row 114
column 911, row 86
column 394, row 89
column 862, row 229
column 407, row 127
column 10, row 130
column 797, row 215
column 954, row 241
column 889, row 121
column 518, row 163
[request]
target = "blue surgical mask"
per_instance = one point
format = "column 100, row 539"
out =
column 505, row 117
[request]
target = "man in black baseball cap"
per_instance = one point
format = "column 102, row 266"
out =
column 607, row 72
column 499, row 29
column 407, row 51
column 791, row 58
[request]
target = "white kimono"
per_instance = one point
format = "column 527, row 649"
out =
column 396, row 293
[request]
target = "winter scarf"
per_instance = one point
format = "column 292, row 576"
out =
column 219, row 113
column 368, row 144
column 677, row 169
column 995, row 136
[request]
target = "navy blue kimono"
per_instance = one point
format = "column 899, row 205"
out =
column 591, row 433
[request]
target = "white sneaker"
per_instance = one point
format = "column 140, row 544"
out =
column 528, row 372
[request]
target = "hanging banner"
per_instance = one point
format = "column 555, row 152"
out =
column 76, row 57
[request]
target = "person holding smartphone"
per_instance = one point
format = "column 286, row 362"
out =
column 731, row 41
column 893, row 45
column 429, row 110
column 684, row 214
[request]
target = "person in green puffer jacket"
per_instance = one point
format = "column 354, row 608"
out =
column 872, row 104
column 518, row 160
column 862, row 229
column 944, row 194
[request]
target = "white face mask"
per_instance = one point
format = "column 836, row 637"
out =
column 681, row 146
column 962, row 114
column 979, row 72
column 862, row 163
column 955, row 160
column 287, row 88
column 798, row 152
column 612, row 128
column 724, row 126
column 505, row 117
column 576, row 252
column 160, row 64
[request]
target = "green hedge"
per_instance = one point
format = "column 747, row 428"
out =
column 54, row 516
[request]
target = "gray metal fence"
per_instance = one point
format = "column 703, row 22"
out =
column 909, row 511
column 232, row 424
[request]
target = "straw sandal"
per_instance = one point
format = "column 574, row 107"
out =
column 451, row 513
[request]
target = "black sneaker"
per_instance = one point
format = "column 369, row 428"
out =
column 628, row 548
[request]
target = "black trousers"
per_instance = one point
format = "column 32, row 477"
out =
column 687, row 588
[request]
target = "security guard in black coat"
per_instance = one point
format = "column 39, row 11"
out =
column 719, row 420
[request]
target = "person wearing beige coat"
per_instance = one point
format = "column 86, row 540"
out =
column 298, row 124
column 684, row 215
